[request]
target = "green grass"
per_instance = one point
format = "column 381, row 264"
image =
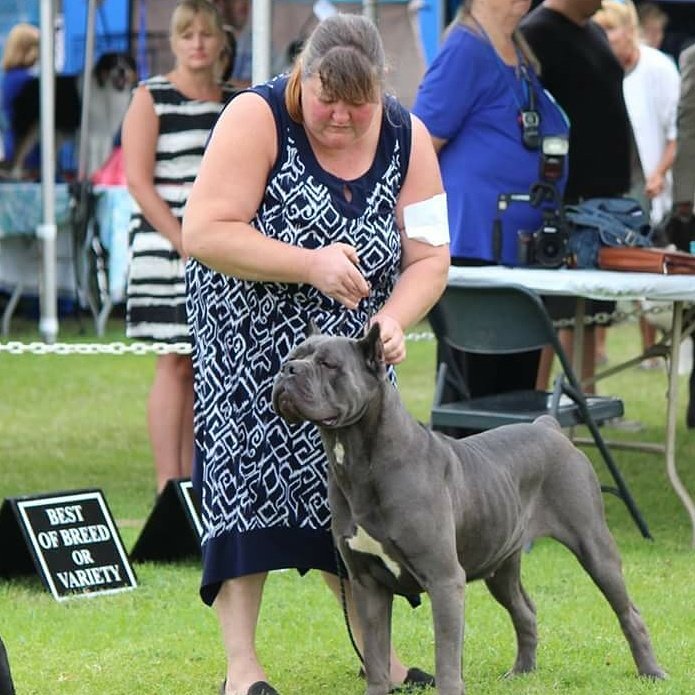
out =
column 71, row 422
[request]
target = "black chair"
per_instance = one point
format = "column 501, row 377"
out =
column 485, row 318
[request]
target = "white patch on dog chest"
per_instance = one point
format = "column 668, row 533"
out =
column 362, row 542
column 339, row 453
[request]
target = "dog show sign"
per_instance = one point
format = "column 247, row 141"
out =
column 70, row 539
column 173, row 529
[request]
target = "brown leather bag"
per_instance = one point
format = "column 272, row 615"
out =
column 646, row 260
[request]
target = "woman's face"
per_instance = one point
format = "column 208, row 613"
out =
column 621, row 41
column 198, row 46
column 335, row 124
column 653, row 32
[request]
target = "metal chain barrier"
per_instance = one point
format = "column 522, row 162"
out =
column 14, row 347
column 617, row 316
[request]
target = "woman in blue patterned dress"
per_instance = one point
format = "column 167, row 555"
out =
column 297, row 212
column 164, row 134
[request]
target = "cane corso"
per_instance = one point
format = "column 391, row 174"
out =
column 414, row 510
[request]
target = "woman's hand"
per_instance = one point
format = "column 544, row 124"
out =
column 333, row 270
column 654, row 185
column 392, row 338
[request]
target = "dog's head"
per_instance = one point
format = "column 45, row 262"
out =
column 115, row 70
column 330, row 381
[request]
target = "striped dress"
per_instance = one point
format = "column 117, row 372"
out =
column 156, row 290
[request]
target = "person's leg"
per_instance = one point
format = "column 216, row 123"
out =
column 398, row 670
column 566, row 337
column 545, row 369
column 170, row 418
column 600, row 347
column 238, row 605
column 648, row 335
column 187, row 453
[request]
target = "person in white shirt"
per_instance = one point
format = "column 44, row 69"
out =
column 651, row 88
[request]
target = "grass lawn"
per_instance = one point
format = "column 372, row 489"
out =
column 70, row 422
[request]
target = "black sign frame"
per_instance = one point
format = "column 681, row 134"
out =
column 173, row 530
column 67, row 533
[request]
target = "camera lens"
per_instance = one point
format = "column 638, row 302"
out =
column 551, row 248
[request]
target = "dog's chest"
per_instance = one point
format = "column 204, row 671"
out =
column 362, row 542
column 366, row 544
column 368, row 556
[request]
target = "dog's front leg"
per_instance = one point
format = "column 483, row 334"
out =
column 374, row 604
column 447, row 599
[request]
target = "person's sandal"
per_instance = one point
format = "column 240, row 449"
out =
column 262, row 688
column 415, row 679
column 257, row 688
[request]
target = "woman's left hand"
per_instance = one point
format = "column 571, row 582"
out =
column 654, row 185
column 392, row 338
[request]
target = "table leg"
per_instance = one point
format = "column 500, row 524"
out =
column 11, row 306
column 671, row 415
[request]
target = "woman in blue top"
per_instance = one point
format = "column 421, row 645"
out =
column 18, row 63
column 474, row 98
column 471, row 101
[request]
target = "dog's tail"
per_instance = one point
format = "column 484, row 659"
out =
column 548, row 421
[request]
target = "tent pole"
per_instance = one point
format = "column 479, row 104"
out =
column 47, row 231
column 261, row 18
column 85, row 125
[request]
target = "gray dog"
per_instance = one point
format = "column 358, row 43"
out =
column 414, row 510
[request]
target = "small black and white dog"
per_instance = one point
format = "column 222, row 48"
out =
column 113, row 77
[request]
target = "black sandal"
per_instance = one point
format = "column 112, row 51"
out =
column 257, row 688
column 415, row 679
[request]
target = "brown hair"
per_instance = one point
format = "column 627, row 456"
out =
column 346, row 52
column 21, row 47
column 647, row 11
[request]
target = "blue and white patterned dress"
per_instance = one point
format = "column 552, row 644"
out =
column 263, row 482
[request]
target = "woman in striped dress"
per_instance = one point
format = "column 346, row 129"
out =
column 164, row 135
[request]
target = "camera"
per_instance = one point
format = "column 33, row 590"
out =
column 547, row 246
column 530, row 129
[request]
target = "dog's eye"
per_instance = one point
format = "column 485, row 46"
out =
column 328, row 364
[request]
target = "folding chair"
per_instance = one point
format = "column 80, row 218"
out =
column 500, row 319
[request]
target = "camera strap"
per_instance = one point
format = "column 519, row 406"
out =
column 529, row 116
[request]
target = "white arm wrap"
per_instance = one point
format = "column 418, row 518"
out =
column 427, row 221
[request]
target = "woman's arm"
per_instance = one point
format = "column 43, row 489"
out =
column 655, row 181
column 424, row 267
column 140, row 134
column 227, row 192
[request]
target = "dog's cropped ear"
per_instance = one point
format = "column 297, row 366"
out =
column 373, row 349
column 311, row 329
